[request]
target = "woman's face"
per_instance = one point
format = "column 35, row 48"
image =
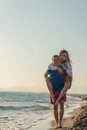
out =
column 63, row 57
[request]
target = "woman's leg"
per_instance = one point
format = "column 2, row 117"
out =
column 50, row 88
column 63, row 91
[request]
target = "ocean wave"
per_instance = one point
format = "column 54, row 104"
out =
column 21, row 120
column 24, row 97
column 31, row 108
column 41, row 107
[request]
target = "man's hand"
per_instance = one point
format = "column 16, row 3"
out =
column 45, row 75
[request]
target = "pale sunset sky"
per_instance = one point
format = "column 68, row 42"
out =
column 31, row 31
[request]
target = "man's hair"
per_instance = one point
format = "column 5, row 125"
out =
column 55, row 56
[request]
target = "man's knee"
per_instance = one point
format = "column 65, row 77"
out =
column 61, row 106
column 55, row 109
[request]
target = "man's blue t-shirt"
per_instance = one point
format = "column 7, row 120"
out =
column 57, row 79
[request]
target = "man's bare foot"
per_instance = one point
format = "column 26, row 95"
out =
column 56, row 127
column 60, row 126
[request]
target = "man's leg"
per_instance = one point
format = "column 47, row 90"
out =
column 61, row 113
column 50, row 88
column 56, row 114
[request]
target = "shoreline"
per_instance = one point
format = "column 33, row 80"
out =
column 42, row 125
column 80, row 96
column 76, row 121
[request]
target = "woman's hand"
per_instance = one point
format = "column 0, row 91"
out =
column 60, row 70
column 64, row 67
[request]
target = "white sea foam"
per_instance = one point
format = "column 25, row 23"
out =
column 21, row 121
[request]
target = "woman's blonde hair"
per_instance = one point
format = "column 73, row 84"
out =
column 68, row 57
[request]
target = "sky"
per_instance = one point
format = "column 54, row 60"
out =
column 31, row 32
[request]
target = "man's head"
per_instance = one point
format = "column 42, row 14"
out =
column 55, row 59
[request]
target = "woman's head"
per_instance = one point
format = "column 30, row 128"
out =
column 64, row 56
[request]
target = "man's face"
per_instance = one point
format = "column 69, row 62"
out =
column 55, row 60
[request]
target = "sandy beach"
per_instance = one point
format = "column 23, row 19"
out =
column 77, row 120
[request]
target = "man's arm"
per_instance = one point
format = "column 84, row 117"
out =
column 45, row 75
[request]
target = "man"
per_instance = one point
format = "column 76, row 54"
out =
column 57, row 78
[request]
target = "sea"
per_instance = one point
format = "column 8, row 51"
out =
column 25, row 110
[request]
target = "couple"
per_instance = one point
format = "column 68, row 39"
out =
column 58, row 79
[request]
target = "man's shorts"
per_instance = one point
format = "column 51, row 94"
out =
column 56, row 94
